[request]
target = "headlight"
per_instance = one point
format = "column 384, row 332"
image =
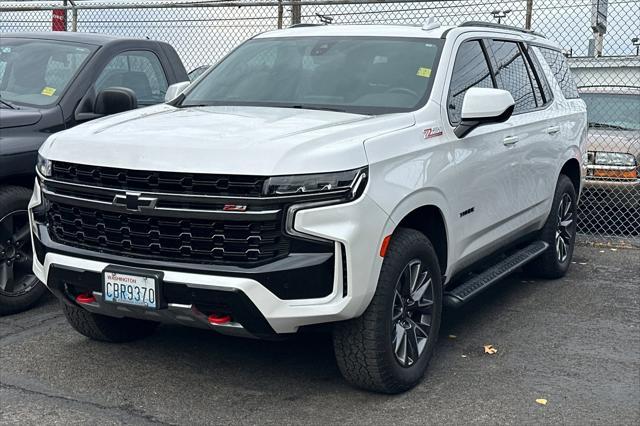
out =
column 43, row 166
column 350, row 182
column 614, row 159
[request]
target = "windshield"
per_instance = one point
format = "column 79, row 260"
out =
column 613, row 110
column 36, row 72
column 362, row 75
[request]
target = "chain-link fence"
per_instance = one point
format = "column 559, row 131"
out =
column 602, row 50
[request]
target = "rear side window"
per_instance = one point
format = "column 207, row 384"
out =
column 512, row 75
column 470, row 70
column 560, row 69
column 539, row 77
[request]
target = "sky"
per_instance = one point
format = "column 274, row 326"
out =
column 204, row 35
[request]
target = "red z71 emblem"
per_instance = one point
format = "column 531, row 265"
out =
column 234, row 208
column 432, row 132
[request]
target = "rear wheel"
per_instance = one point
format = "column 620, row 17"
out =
column 105, row 328
column 388, row 348
column 559, row 232
column 19, row 287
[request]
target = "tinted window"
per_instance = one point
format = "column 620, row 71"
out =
column 560, row 69
column 539, row 76
column 512, row 75
column 537, row 91
column 139, row 71
column 470, row 70
column 364, row 75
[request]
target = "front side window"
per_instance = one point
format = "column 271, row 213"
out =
column 560, row 69
column 470, row 70
column 362, row 75
column 139, row 71
column 512, row 74
column 37, row 72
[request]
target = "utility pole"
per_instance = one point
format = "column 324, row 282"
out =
column 529, row 15
column 296, row 12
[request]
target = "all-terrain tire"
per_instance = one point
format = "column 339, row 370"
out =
column 363, row 346
column 549, row 265
column 12, row 199
column 105, row 328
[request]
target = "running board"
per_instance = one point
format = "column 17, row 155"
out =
column 466, row 291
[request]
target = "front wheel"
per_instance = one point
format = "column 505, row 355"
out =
column 388, row 348
column 559, row 232
column 19, row 287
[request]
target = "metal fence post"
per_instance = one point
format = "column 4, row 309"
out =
column 280, row 13
column 296, row 12
column 66, row 26
column 529, row 14
column 74, row 16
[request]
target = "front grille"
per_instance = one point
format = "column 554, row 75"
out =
column 150, row 181
column 167, row 238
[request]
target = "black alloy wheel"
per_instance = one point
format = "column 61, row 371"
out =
column 412, row 313
column 16, row 275
column 564, row 231
column 19, row 287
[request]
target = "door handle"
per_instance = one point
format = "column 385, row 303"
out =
column 510, row 140
column 553, row 130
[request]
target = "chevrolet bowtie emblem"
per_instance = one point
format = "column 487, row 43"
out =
column 133, row 201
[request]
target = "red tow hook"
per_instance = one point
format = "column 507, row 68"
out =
column 85, row 298
column 219, row 319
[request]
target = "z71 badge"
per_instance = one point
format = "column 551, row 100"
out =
column 432, row 132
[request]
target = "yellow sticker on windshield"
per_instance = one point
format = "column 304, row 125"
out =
column 424, row 72
column 48, row 91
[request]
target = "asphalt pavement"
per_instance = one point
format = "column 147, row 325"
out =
column 573, row 342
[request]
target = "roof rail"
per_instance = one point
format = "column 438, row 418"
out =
column 499, row 26
column 305, row 25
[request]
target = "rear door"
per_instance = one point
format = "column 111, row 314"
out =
column 534, row 128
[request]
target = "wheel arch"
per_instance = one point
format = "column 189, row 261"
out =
column 430, row 221
column 571, row 169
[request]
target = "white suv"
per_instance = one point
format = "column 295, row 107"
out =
column 363, row 176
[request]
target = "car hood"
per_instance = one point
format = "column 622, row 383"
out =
column 231, row 140
column 610, row 140
column 18, row 117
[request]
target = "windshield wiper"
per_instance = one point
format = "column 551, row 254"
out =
column 314, row 107
column 268, row 105
column 608, row 126
column 7, row 104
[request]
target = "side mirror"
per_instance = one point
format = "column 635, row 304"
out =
column 114, row 100
column 484, row 106
column 175, row 89
column 108, row 101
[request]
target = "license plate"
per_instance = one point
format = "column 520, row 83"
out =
column 130, row 289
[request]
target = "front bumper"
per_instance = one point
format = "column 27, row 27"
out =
column 356, row 230
column 612, row 194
